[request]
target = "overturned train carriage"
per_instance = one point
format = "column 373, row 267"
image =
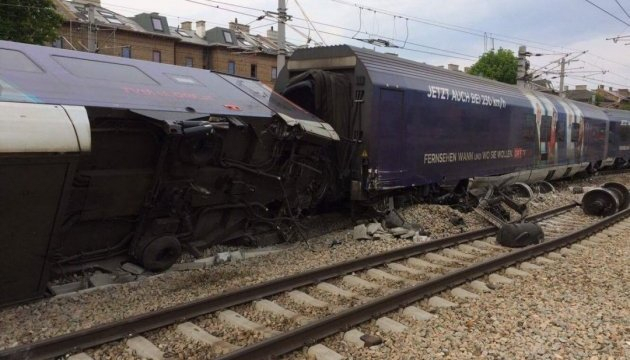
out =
column 409, row 125
column 103, row 156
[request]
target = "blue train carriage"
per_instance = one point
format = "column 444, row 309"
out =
column 618, row 138
column 106, row 157
column 414, row 125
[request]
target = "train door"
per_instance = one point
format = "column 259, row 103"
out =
column 392, row 134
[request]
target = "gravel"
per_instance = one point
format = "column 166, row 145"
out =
column 578, row 308
column 56, row 316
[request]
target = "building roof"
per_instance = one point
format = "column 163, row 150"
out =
column 188, row 36
column 153, row 23
column 156, row 24
column 579, row 95
column 77, row 11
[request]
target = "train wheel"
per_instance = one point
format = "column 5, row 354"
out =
column 543, row 187
column 624, row 200
column 160, row 253
column 520, row 193
column 601, row 202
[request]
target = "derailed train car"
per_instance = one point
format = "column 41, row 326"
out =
column 102, row 156
column 413, row 126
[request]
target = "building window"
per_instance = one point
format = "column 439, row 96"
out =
column 253, row 71
column 110, row 17
column 58, row 43
column 189, row 62
column 231, row 67
column 227, row 36
column 157, row 24
column 126, row 52
column 183, row 33
column 157, row 56
column 274, row 73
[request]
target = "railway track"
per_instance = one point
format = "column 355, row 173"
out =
column 356, row 291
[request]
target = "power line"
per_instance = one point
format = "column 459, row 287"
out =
column 457, row 28
column 461, row 55
column 607, row 12
column 622, row 8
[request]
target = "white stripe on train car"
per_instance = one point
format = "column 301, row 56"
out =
column 39, row 128
column 81, row 123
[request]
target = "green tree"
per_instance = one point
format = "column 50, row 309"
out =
column 29, row 21
column 501, row 66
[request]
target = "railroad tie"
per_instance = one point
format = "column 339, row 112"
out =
column 423, row 264
column 357, row 282
column 80, row 356
column 273, row 308
column 418, row 314
column 197, row 334
column 479, row 286
column 237, row 320
column 438, row 302
column 464, row 294
column 516, row 272
column 390, row 325
column 321, row 352
column 378, row 274
column 144, row 348
column 337, row 291
column 458, row 254
column 303, row 298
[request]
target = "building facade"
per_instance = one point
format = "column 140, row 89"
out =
column 148, row 36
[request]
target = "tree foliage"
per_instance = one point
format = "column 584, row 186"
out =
column 29, row 21
column 501, row 66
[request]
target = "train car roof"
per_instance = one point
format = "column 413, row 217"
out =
column 617, row 114
column 39, row 74
column 388, row 70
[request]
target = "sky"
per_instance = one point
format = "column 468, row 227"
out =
column 439, row 32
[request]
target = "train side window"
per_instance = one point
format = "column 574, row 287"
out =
column 561, row 131
column 16, row 61
column 545, row 129
column 529, row 127
column 575, row 132
column 101, row 70
column 624, row 133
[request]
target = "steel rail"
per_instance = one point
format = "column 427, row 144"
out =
column 101, row 334
column 312, row 332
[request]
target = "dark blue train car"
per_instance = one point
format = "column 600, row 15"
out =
column 618, row 138
column 412, row 124
column 105, row 157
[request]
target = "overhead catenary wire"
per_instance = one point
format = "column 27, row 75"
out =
column 622, row 8
column 608, row 12
column 460, row 55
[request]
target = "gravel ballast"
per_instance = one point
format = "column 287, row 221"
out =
column 577, row 308
column 51, row 317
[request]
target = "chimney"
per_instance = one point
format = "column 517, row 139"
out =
column 453, row 67
column 581, row 87
column 610, row 88
column 201, row 29
column 235, row 26
column 272, row 34
column 186, row 25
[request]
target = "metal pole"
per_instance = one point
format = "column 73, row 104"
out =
column 562, row 63
column 282, row 18
column 91, row 38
